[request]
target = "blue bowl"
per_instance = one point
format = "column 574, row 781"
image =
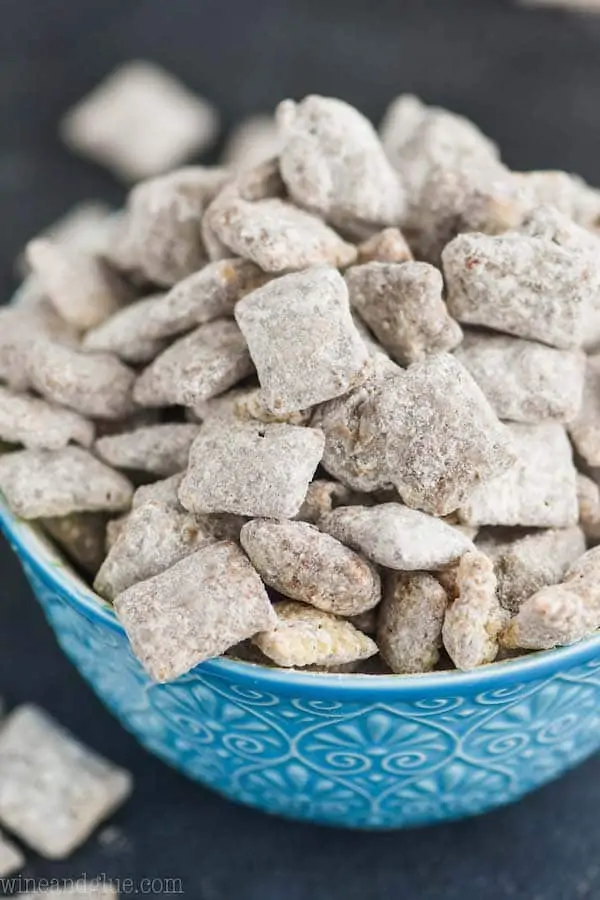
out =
column 357, row 751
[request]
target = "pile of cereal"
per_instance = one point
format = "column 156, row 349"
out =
column 336, row 410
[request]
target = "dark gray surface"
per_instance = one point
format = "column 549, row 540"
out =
column 532, row 80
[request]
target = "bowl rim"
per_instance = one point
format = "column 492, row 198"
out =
column 34, row 549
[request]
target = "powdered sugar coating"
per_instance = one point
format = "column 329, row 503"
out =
column 157, row 449
column 35, row 423
column 411, row 615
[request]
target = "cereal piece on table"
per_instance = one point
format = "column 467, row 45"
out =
column 529, row 563
column 93, row 384
column 251, row 470
column 253, row 141
column 11, row 858
column 397, row 537
column 324, row 496
column 275, row 235
column 124, row 334
column 475, row 618
column 140, row 121
column 352, row 455
column 54, row 791
column 402, row 304
column 419, row 138
column 304, row 564
column 162, row 234
column 208, row 294
column 441, row 436
column 197, row 609
column 155, row 536
column 200, row 365
column 585, row 427
column 305, row 636
column 20, row 327
column 42, row 483
column 82, row 536
column 165, row 491
column 34, row 423
column 280, row 322
column 80, row 285
column 524, row 381
column 333, row 163
column 409, row 627
column 157, row 449
column 539, row 491
column 588, row 497
column 388, row 246
column 250, row 405
column 521, row 285
column 569, row 194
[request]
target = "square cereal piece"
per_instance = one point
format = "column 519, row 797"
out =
column 585, row 428
column 200, row 365
column 40, row 483
column 11, row 858
column 441, row 436
column 53, row 790
column 251, row 469
column 157, row 449
column 281, row 322
column 140, row 121
column 524, row 381
column 540, row 491
column 195, row 610
column 526, row 286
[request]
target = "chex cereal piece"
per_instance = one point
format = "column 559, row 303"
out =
column 409, row 625
column 521, row 285
column 195, row 610
column 418, row 138
column 529, row 563
column 124, row 333
column 249, row 404
column 80, row 285
column 280, row 322
column 539, row 491
column 140, row 121
column 305, row 636
column 562, row 613
column 275, row 235
column 155, row 536
column 397, row 537
column 53, row 790
column 209, row 294
column 162, row 237
column 588, row 497
column 352, row 455
column 165, row 491
column 403, row 306
column 93, row 384
column 324, row 496
column 388, row 246
column 35, row 423
column 198, row 366
column 253, row 141
column 11, row 858
column 304, row 564
column 524, row 381
column 475, row 618
column 567, row 193
column 83, row 889
column 333, row 163
column 483, row 198
column 39, row 483
column 251, row 470
column 441, row 436
column 82, row 536
column 585, row 428
column 20, row 327
column 157, row 449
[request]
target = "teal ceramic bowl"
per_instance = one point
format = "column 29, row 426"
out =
column 357, row 751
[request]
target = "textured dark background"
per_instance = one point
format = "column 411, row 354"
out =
column 531, row 78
